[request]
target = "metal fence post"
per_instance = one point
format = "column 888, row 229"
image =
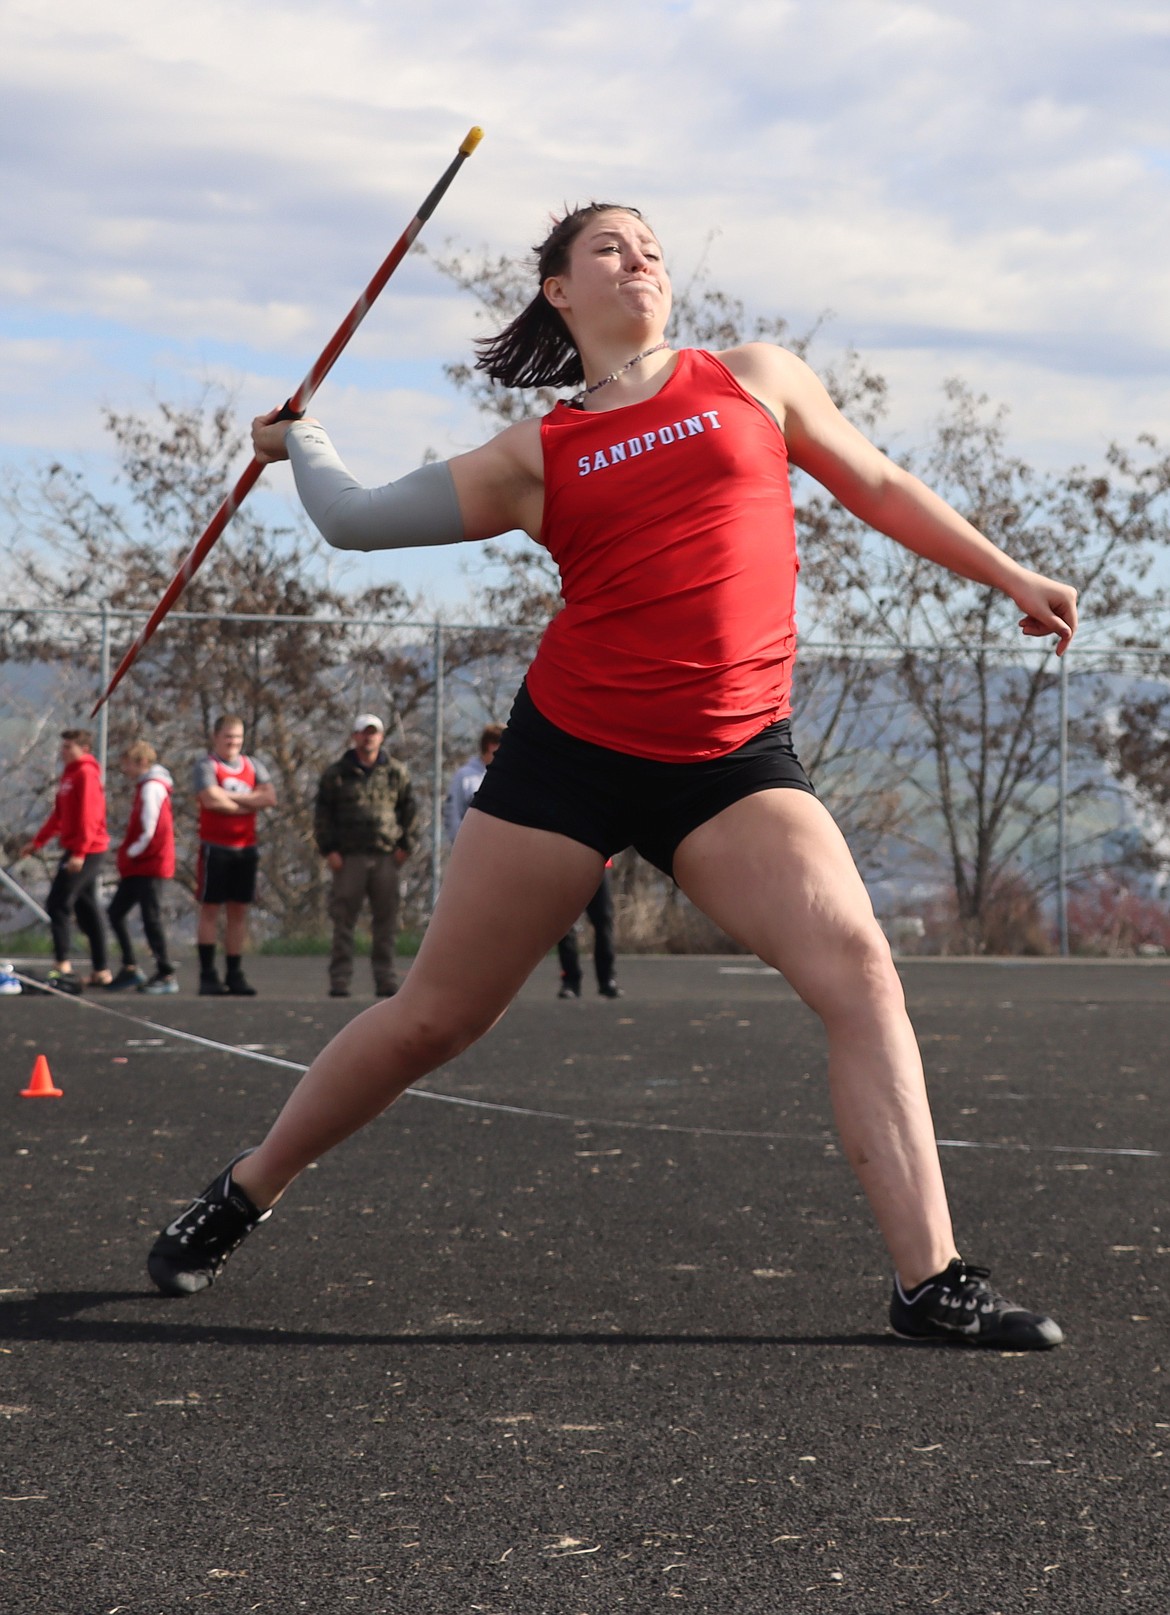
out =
column 437, row 770
column 103, row 734
column 1062, row 816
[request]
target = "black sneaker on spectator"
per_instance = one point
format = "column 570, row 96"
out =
column 128, row 979
column 611, row 990
column 238, row 985
column 210, row 985
column 569, row 992
column 958, row 1305
column 190, row 1251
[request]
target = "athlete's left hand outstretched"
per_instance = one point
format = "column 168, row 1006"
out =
column 1049, row 608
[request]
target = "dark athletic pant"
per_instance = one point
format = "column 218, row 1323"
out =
column 76, row 895
column 600, row 912
column 362, row 875
column 139, row 891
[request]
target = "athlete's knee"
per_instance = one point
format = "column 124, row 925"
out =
column 435, row 1027
column 859, row 977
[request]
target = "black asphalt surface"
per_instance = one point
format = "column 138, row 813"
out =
column 488, row 1362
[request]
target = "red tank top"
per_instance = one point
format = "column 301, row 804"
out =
column 671, row 523
column 229, row 829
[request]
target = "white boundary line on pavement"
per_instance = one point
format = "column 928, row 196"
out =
column 565, row 1116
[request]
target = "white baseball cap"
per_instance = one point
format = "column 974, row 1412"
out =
column 368, row 720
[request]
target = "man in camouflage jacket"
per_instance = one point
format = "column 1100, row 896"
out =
column 364, row 827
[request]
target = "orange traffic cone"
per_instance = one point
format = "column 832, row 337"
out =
column 40, row 1084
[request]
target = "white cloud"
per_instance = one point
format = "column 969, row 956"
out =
column 206, row 191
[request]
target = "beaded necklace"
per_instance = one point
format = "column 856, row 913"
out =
column 578, row 400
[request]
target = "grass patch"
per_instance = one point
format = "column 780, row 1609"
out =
column 35, row 942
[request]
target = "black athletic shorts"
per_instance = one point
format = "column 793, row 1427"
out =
column 548, row 780
column 227, row 874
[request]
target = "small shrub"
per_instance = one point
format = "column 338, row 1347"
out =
column 1107, row 920
column 1011, row 922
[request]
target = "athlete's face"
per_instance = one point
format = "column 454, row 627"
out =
column 229, row 741
column 615, row 264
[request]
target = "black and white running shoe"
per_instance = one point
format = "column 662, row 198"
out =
column 188, row 1254
column 128, row 979
column 959, row 1306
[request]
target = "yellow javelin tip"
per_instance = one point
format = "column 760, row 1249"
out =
column 474, row 136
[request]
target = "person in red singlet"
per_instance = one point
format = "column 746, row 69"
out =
column 655, row 714
column 230, row 789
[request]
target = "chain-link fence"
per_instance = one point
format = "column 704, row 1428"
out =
column 962, row 780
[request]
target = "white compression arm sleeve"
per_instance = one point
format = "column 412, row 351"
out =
column 420, row 508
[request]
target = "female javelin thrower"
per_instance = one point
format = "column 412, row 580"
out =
column 655, row 714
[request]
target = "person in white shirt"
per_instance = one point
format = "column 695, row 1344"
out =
column 467, row 780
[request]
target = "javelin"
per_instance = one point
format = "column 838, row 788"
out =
column 294, row 407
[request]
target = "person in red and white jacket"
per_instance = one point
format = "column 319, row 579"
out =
column 78, row 822
column 146, row 856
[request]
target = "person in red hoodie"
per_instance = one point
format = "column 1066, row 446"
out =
column 78, row 821
column 146, row 856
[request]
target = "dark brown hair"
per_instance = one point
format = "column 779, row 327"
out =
column 79, row 737
column 536, row 350
column 491, row 736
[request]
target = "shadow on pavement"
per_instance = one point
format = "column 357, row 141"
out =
column 54, row 1316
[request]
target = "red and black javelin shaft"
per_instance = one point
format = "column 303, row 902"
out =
column 294, row 407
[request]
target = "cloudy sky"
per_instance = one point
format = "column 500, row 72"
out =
column 195, row 195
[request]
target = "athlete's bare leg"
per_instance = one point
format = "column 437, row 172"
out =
column 207, row 929
column 774, row 872
column 235, row 925
column 235, row 930
column 467, row 972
